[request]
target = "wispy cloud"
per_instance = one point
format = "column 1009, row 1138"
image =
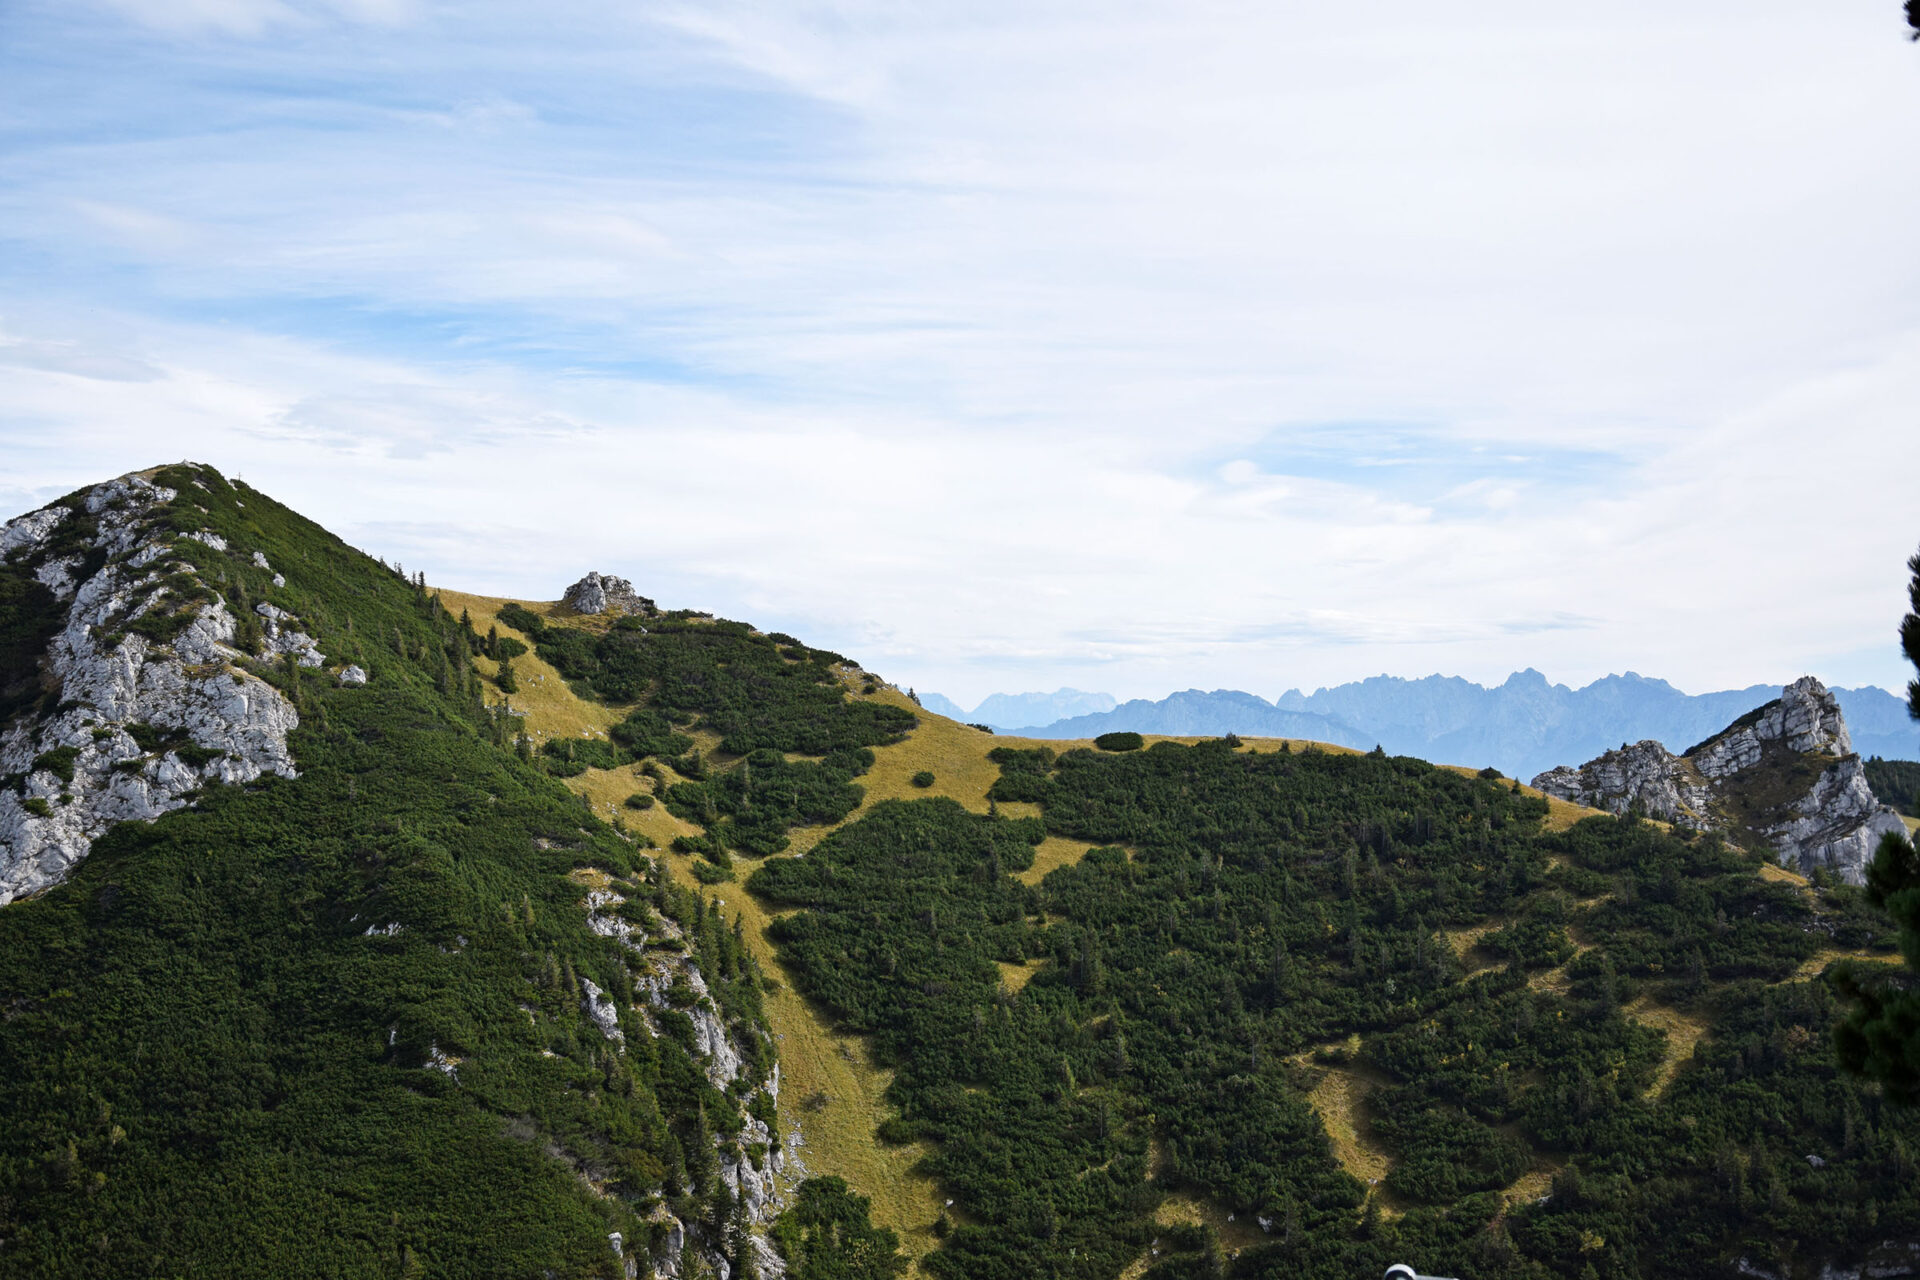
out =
column 1199, row 343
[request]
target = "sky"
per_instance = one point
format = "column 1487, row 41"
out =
column 1005, row 346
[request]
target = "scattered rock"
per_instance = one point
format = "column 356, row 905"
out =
column 438, row 1060
column 354, row 674
column 282, row 638
column 602, row 1011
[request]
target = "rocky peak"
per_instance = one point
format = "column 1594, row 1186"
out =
column 1805, row 718
column 604, row 593
column 143, row 696
column 1782, row 777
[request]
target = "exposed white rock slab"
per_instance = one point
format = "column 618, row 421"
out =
column 438, row 1060
column 673, row 1242
column 1644, row 776
column 757, row 1188
column 109, row 679
column 1838, row 825
column 654, row 973
column 57, row 576
column 30, row 532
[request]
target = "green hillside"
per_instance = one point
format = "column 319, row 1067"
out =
column 1896, row 782
column 212, row 1067
column 1190, row 1008
column 1254, row 922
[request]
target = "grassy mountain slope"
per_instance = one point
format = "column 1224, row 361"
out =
column 1120, row 1006
column 1626, row 1022
column 821, row 1060
column 219, row 1056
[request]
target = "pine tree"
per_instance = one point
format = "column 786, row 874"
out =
column 1880, row 1037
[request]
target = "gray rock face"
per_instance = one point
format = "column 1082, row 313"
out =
column 602, row 593
column 1838, row 825
column 1645, row 776
column 1749, row 781
column 655, row 972
column 1805, row 718
column 84, row 767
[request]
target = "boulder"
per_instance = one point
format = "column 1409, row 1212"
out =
column 603, row 593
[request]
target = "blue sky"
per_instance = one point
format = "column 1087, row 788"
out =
column 1011, row 346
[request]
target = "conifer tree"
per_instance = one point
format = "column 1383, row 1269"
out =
column 1880, row 1037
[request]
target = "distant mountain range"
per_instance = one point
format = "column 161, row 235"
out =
column 1014, row 710
column 1521, row 727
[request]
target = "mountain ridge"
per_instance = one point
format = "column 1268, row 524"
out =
column 1522, row 726
column 459, row 997
column 1783, row 778
column 341, row 984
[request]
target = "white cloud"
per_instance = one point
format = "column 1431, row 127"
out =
column 1131, row 348
column 251, row 19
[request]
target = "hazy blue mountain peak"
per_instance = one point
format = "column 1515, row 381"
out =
column 1524, row 725
column 941, row 705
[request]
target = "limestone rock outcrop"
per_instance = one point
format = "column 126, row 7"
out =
column 142, row 701
column 1783, row 777
column 603, row 593
column 667, row 979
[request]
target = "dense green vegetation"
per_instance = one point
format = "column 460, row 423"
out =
column 826, row 1235
column 757, row 692
column 750, row 808
column 1881, row 1036
column 1895, row 782
column 333, row 1026
column 768, row 697
column 28, row 620
column 1244, row 914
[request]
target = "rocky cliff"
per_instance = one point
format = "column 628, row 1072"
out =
column 669, row 983
column 1782, row 777
column 139, row 700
